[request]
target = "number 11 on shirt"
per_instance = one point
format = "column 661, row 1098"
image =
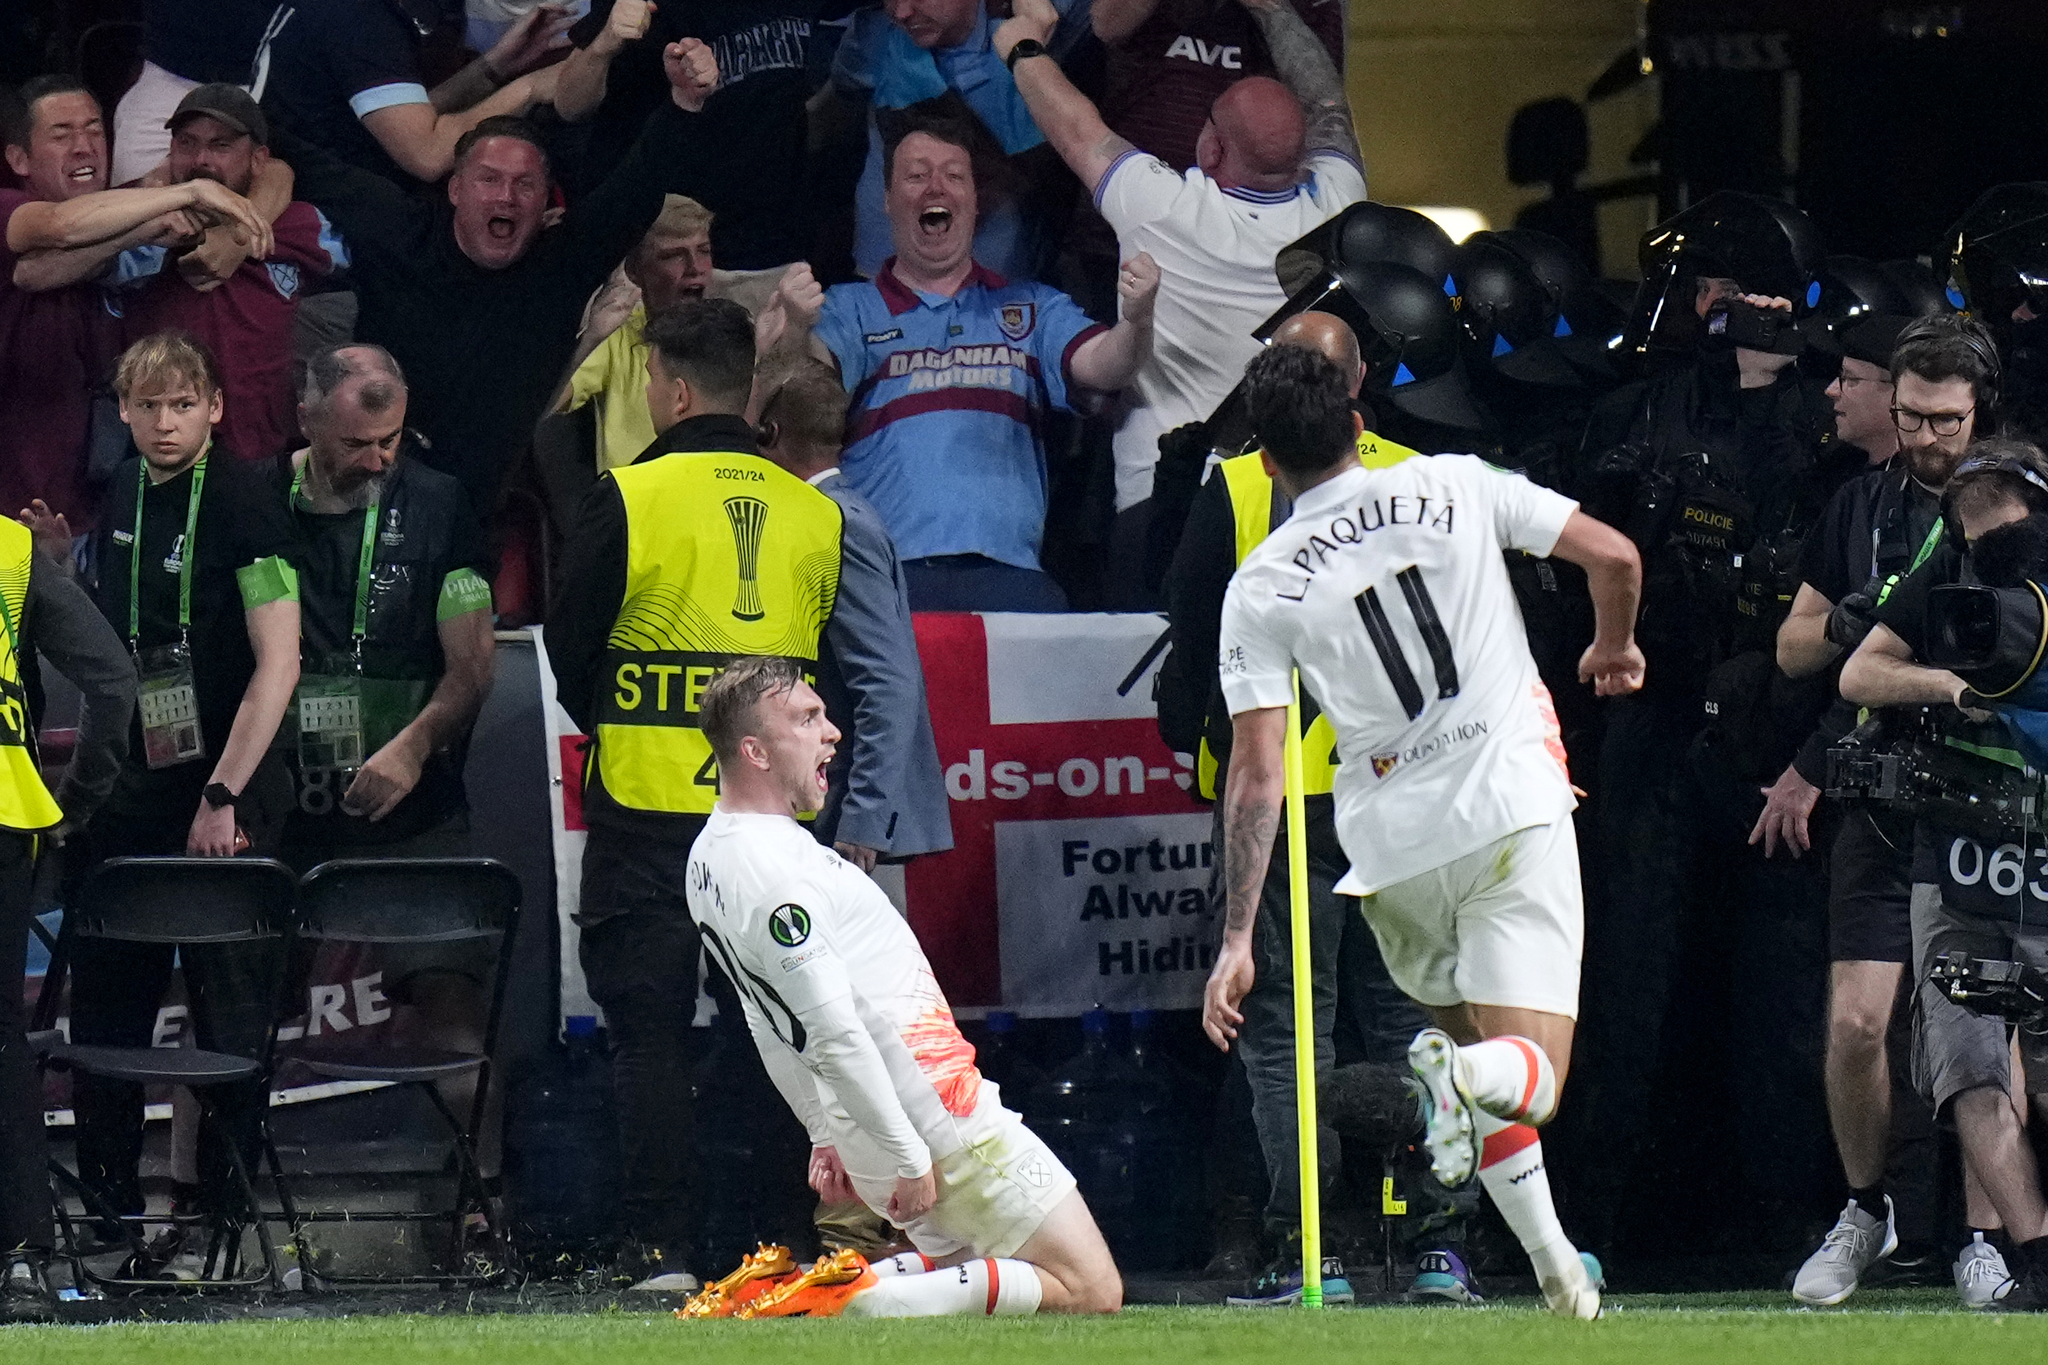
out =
column 1435, row 639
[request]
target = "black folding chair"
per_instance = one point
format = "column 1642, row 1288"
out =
column 410, row 901
column 189, row 902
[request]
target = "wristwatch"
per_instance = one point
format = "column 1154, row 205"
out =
column 1029, row 47
column 218, row 797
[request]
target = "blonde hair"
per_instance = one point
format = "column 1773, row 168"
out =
column 161, row 362
column 681, row 216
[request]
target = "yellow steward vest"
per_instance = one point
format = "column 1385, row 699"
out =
column 1252, row 498
column 726, row 556
column 25, row 803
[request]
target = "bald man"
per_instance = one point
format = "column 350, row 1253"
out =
column 1332, row 337
column 1275, row 159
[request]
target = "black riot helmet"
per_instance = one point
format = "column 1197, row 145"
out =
column 1923, row 292
column 1363, row 234
column 1847, row 290
column 1508, row 316
column 1859, row 307
column 1589, row 327
column 1997, row 256
column 1765, row 246
column 1407, row 326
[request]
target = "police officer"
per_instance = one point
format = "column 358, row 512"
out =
column 193, row 574
column 1713, row 465
column 1233, row 511
column 1998, row 269
column 699, row 552
column 41, row 611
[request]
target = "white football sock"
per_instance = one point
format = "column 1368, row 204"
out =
column 1510, row 1078
column 1511, row 1169
column 902, row 1263
column 984, row 1288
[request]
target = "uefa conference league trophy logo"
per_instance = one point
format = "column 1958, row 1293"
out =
column 748, row 516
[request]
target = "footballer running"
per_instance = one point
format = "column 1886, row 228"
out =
column 1387, row 589
column 853, row 1028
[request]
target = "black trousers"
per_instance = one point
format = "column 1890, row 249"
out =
column 700, row 1130
column 24, row 1151
column 1350, row 980
column 639, row 950
column 117, row 988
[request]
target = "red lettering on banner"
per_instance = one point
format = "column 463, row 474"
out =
column 1048, row 770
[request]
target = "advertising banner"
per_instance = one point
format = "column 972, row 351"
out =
column 1080, row 863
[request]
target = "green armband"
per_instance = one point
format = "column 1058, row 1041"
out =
column 268, row 580
column 462, row 592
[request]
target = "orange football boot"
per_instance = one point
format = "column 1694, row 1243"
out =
column 756, row 1275
column 819, row 1292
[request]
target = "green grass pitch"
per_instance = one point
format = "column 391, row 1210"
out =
column 1901, row 1326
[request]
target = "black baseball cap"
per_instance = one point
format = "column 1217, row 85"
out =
column 224, row 103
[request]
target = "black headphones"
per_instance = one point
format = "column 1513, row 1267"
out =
column 2034, row 495
column 1969, row 331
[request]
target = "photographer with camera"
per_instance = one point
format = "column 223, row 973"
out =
column 1714, row 467
column 1875, row 529
column 1969, row 887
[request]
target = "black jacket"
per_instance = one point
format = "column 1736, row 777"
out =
column 483, row 349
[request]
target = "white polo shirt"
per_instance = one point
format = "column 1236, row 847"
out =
column 1387, row 588
column 1215, row 249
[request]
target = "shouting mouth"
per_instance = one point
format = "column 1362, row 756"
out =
column 500, row 228
column 935, row 221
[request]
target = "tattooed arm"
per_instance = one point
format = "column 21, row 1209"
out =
column 1304, row 64
column 1252, row 796
column 1068, row 118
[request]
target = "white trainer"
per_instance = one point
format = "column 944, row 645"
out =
column 1855, row 1243
column 1575, row 1293
column 1447, row 1126
column 1981, row 1277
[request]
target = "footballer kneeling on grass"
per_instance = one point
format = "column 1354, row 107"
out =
column 853, row 1028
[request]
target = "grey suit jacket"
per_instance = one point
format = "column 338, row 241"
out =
column 888, row 792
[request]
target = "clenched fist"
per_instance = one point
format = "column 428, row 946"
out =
column 1137, row 284
column 692, row 69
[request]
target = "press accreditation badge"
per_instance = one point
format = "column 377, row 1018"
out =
column 168, row 703
column 330, row 723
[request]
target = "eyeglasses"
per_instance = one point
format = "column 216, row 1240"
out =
column 1845, row 380
column 1940, row 423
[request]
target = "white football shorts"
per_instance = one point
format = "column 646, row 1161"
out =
column 994, row 1191
column 1503, row 925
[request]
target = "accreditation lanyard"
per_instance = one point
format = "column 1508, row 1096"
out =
column 187, row 552
column 361, row 625
column 1927, row 546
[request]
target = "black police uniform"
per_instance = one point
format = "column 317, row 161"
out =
column 116, row 988
column 1716, row 484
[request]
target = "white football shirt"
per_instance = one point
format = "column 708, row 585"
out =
column 839, row 997
column 1387, row 588
column 1215, row 249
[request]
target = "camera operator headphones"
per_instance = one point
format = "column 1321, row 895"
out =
column 1972, row 334
column 2035, row 495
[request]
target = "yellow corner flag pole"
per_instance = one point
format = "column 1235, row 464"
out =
column 1304, row 1013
